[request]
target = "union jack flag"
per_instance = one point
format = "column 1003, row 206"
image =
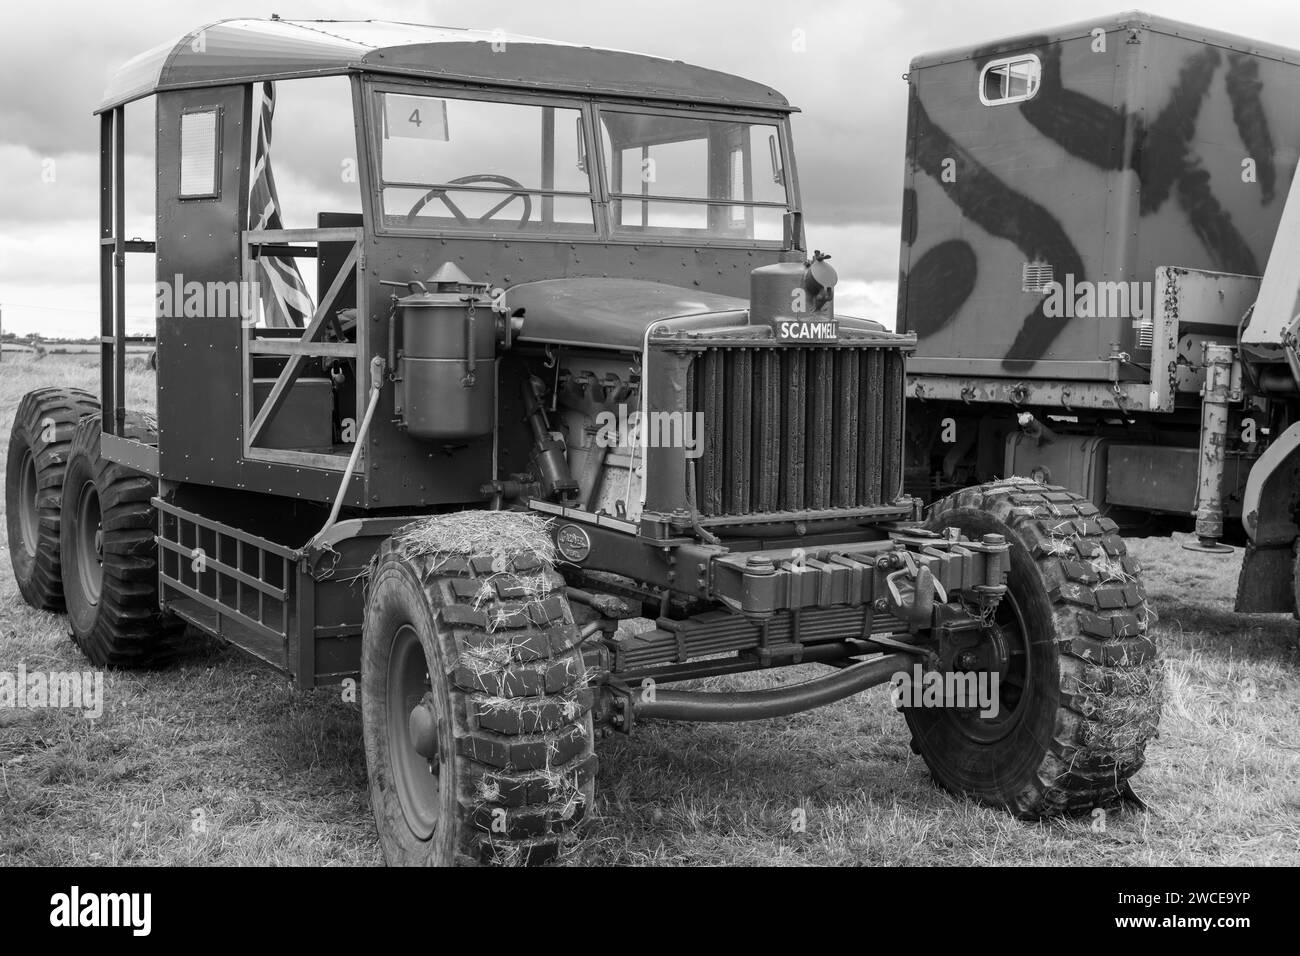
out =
column 285, row 300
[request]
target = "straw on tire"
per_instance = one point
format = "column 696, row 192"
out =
column 500, row 640
column 1099, row 677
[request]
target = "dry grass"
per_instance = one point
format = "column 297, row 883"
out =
column 497, row 534
column 279, row 777
column 502, row 536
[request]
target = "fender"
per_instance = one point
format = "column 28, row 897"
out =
column 1268, row 505
column 1268, row 510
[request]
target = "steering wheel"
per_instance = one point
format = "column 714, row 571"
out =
column 440, row 193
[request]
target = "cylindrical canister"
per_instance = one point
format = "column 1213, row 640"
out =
column 447, row 368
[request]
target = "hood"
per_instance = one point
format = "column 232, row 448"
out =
column 608, row 313
column 613, row 313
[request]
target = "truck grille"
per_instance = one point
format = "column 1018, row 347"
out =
column 794, row 429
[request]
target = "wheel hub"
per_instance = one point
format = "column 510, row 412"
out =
column 999, row 649
column 90, row 544
column 29, row 509
column 423, row 728
column 413, row 731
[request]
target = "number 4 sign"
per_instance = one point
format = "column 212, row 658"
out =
column 415, row 117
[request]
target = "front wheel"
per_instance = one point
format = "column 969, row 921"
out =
column 475, row 708
column 1079, row 678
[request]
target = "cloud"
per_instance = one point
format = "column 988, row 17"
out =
column 868, row 300
column 43, row 193
column 841, row 61
column 49, row 282
column 863, row 250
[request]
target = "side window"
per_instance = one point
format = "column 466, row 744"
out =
column 140, row 214
column 312, row 149
column 1009, row 80
column 303, row 175
column 200, row 153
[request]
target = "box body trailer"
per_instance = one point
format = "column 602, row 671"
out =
column 1086, row 208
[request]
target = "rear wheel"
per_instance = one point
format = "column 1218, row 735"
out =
column 110, row 558
column 38, row 455
column 1079, row 679
column 475, row 709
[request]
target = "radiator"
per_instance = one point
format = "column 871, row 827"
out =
column 797, row 428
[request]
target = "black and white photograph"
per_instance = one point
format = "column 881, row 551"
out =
column 570, row 435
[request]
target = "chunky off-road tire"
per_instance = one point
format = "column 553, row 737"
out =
column 1082, row 693
column 486, row 664
column 110, row 558
column 38, row 457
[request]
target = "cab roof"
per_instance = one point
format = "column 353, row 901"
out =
column 247, row 51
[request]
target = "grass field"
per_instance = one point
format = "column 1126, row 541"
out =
column 278, row 777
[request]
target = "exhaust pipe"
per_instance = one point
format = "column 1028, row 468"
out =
column 762, row 704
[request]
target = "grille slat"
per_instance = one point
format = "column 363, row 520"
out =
column 871, row 453
column 794, row 388
column 708, row 385
column 892, row 443
column 737, row 440
column 767, row 431
column 847, row 428
column 821, row 424
column 793, row 429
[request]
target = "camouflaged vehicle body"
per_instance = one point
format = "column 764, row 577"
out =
column 1126, row 159
column 1152, row 154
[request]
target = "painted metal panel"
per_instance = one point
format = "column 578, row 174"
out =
column 1131, row 156
column 1152, row 477
column 199, row 381
column 133, row 454
column 573, row 309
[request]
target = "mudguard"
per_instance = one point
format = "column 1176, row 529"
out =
column 1268, row 512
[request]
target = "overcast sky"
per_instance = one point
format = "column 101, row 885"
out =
column 55, row 58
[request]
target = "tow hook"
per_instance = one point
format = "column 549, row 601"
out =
column 920, row 612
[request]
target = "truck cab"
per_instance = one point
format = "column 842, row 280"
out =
column 517, row 160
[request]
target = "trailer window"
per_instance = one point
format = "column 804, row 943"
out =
column 674, row 175
column 451, row 164
column 1009, row 80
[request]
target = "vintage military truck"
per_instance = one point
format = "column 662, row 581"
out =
column 1087, row 217
column 569, row 367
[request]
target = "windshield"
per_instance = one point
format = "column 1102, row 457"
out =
column 478, row 165
column 456, row 165
column 672, row 175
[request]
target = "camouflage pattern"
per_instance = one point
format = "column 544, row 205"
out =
column 1129, row 157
